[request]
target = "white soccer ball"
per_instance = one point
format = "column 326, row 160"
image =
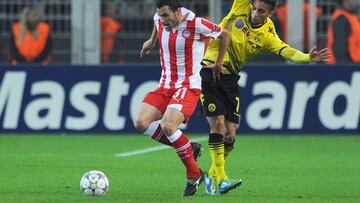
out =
column 94, row 183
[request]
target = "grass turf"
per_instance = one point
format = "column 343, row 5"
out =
column 273, row 168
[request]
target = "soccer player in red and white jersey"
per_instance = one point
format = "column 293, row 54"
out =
column 181, row 38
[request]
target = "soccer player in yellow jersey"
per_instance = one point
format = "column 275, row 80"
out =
column 252, row 32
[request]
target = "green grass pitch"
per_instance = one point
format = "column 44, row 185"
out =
column 274, row 169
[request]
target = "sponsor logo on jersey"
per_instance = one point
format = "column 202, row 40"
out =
column 246, row 31
column 254, row 45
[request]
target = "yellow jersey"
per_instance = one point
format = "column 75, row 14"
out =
column 246, row 41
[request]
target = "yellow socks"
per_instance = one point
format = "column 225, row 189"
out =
column 216, row 149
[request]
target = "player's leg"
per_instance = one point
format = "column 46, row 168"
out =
column 213, row 106
column 232, row 113
column 229, row 139
column 228, row 184
column 169, row 124
column 151, row 110
column 232, row 117
column 146, row 115
column 216, row 147
column 180, row 108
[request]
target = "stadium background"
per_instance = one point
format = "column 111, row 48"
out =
column 136, row 16
column 76, row 41
column 77, row 96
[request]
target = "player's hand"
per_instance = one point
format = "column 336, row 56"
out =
column 146, row 48
column 216, row 71
column 319, row 56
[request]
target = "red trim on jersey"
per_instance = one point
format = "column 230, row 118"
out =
column 189, row 42
column 217, row 28
column 211, row 26
column 161, row 30
column 173, row 58
column 208, row 24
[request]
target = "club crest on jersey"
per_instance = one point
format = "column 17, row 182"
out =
column 239, row 24
column 211, row 107
column 186, row 33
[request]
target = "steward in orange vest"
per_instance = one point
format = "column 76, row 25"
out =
column 344, row 37
column 109, row 29
column 30, row 40
column 282, row 12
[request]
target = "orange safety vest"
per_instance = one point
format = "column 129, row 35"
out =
column 109, row 27
column 30, row 48
column 282, row 13
column 353, row 41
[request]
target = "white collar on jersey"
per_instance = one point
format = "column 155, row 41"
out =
column 189, row 15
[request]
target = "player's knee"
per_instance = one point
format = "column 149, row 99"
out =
column 229, row 138
column 230, row 132
column 168, row 128
column 141, row 124
column 219, row 126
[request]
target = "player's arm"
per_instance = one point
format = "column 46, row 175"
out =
column 150, row 43
column 239, row 7
column 297, row 56
column 224, row 41
column 208, row 29
column 277, row 46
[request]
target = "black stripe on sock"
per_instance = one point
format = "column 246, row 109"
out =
column 229, row 144
column 215, row 138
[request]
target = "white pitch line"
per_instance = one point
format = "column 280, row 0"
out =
column 153, row 149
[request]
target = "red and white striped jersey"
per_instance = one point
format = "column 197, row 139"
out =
column 182, row 49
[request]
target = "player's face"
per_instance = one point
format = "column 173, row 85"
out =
column 168, row 18
column 260, row 12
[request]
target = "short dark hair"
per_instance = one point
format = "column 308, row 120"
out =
column 271, row 3
column 173, row 4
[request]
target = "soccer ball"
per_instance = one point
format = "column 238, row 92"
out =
column 94, row 183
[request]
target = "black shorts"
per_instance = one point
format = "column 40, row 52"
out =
column 220, row 97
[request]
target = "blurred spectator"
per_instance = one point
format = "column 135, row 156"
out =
column 344, row 34
column 148, row 8
column 130, row 8
column 109, row 30
column 278, row 26
column 30, row 40
column 281, row 13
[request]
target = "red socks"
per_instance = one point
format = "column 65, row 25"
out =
column 183, row 149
